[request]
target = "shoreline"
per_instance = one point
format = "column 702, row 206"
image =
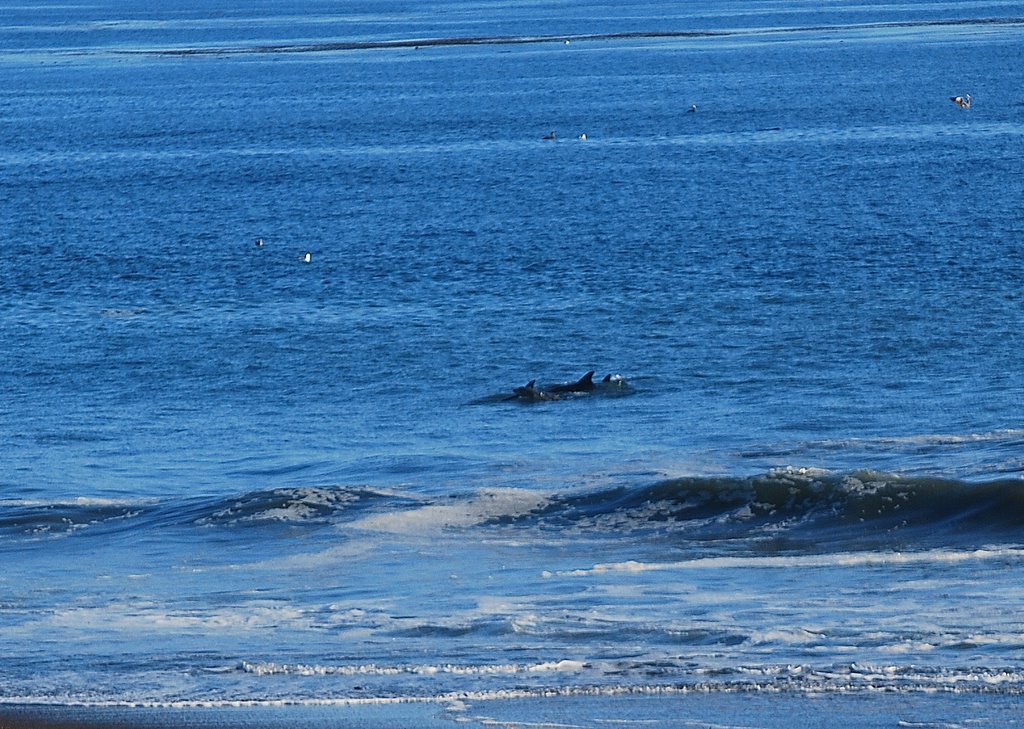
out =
column 863, row 709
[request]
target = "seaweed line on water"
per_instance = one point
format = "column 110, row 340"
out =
column 562, row 38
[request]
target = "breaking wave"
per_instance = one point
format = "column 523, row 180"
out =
column 796, row 679
column 288, row 507
column 795, row 504
column 787, row 510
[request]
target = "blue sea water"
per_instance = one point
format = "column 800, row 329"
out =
column 228, row 476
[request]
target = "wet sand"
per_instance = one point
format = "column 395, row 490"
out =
column 719, row 710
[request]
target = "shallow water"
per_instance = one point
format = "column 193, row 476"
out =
column 231, row 476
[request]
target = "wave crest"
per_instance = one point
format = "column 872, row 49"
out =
column 804, row 503
column 785, row 510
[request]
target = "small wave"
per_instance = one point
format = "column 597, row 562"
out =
column 793, row 511
column 294, row 507
column 49, row 519
column 313, row 505
column 799, row 509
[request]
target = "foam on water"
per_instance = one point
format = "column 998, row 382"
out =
column 865, row 559
column 265, row 669
column 460, row 513
column 803, row 503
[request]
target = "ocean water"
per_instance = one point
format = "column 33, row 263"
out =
column 232, row 477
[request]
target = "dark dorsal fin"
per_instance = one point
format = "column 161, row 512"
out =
column 587, row 379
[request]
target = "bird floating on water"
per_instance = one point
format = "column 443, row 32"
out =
column 259, row 242
column 964, row 102
column 307, row 257
column 550, row 137
column 583, row 137
column 692, row 109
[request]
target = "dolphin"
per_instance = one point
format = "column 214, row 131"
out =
column 583, row 384
column 530, row 393
column 611, row 385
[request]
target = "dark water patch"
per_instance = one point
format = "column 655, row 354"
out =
column 420, row 43
column 497, row 40
column 479, row 628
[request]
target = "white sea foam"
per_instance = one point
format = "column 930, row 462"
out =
column 456, row 698
column 801, row 680
column 78, row 501
column 284, row 505
column 933, row 439
column 150, row 617
column 851, row 559
column 429, row 519
column 270, row 669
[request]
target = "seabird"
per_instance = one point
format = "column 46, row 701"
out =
column 583, row 137
column 692, row 109
column 550, row 137
column 306, row 258
column 964, row 102
column 259, row 242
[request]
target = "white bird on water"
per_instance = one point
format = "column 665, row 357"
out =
column 259, row 242
column 964, row 102
column 307, row 258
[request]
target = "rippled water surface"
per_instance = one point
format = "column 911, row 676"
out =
column 229, row 475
